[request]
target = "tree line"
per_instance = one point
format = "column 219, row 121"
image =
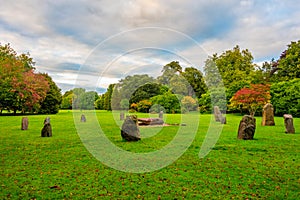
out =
column 228, row 79
column 233, row 79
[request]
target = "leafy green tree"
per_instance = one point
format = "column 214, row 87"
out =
column 286, row 97
column 196, row 81
column 169, row 71
column 124, row 104
column 170, row 102
column 67, row 101
column 213, row 97
column 179, row 85
column 77, row 94
column 99, row 103
column 107, row 97
column 145, row 92
column 288, row 65
column 87, row 100
column 52, row 102
column 130, row 84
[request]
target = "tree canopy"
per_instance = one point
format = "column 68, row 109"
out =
column 21, row 88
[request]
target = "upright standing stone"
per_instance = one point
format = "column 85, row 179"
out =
column 83, row 118
column 25, row 122
column 217, row 113
column 130, row 130
column 247, row 128
column 222, row 119
column 268, row 115
column 288, row 122
column 121, row 116
column 161, row 114
column 47, row 130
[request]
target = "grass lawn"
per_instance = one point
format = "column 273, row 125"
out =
column 60, row 167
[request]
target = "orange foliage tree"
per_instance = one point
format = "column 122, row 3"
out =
column 252, row 98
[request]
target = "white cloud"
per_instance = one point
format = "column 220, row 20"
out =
column 60, row 35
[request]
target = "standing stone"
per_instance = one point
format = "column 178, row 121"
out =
column 288, row 122
column 268, row 115
column 130, row 130
column 83, row 118
column 247, row 128
column 122, row 116
column 161, row 114
column 25, row 122
column 222, row 119
column 217, row 113
column 47, row 130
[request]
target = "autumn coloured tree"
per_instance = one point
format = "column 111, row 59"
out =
column 21, row 88
column 252, row 98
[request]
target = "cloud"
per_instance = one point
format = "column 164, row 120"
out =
column 113, row 38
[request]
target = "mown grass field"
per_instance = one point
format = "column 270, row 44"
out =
column 60, row 167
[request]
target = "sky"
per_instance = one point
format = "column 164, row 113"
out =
column 93, row 43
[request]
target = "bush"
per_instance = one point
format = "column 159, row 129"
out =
column 286, row 97
column 144, row 106
column 170, row 102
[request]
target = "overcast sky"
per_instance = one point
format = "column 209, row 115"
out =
column 106, row 40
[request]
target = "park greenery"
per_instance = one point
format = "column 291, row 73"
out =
column 180, row 90
column 60, row 167
column 177, row 90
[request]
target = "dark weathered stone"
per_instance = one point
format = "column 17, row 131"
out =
column 268, row 115
column 25, row 123
column 288, row 122
column 47, row 130
column 150, row 121
column 217, row 113
column 161, row 115
column 83, row 118
column 130, row 130
column 122, row 116
column 247, row 128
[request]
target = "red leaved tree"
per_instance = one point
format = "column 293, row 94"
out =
column 252, row 98
column 30, row 90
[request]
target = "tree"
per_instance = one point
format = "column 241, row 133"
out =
column 130, row 84
column 30, row 90
column 189, row 103
column 213, row 97
column 235, row 68
column 195, row 80
column 288, row 65
column 144, row 106
column 252, row 98
column 67, row 101
column 21, row 89
column 169, row 71
column 145, row 92
column 53, row 100
column 286, row 97
column 107, row 97
column 87, row 100
column 168, row 101
column 77, row 94
column 99, row 103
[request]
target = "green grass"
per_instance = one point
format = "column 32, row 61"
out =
column 60, row 167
